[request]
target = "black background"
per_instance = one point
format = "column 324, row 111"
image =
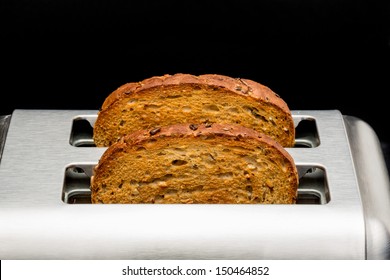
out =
column 316, row 54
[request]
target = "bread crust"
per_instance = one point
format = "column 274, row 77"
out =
column 244, row 87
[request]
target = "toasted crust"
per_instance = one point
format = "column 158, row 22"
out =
column 244, row 87
column 251, row 90
column 188, row 133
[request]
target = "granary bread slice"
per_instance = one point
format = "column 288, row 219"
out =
column 189, row 163
column 185, row 98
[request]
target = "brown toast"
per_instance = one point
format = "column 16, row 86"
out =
column 184, row 98
column 195, row 163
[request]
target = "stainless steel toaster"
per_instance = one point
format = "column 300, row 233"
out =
column 47, row 159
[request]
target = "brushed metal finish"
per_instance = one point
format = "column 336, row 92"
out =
column 35, row 223
column 374, row 185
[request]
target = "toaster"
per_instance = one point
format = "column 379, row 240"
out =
column 47, row 159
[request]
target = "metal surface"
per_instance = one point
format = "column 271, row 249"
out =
column 374, row 183
column 47, row 161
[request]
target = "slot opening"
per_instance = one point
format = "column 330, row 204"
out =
column 313, row 187
column 81, row 134
column 306, row 132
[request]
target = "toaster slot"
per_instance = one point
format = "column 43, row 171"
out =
column 81, row 134
column 306, row 131
column 76, row 189
column 313, row 187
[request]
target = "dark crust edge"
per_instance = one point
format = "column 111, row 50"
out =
column 244, row 87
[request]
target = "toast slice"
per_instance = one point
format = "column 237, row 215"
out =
column 185, row 98
column 191, row 163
